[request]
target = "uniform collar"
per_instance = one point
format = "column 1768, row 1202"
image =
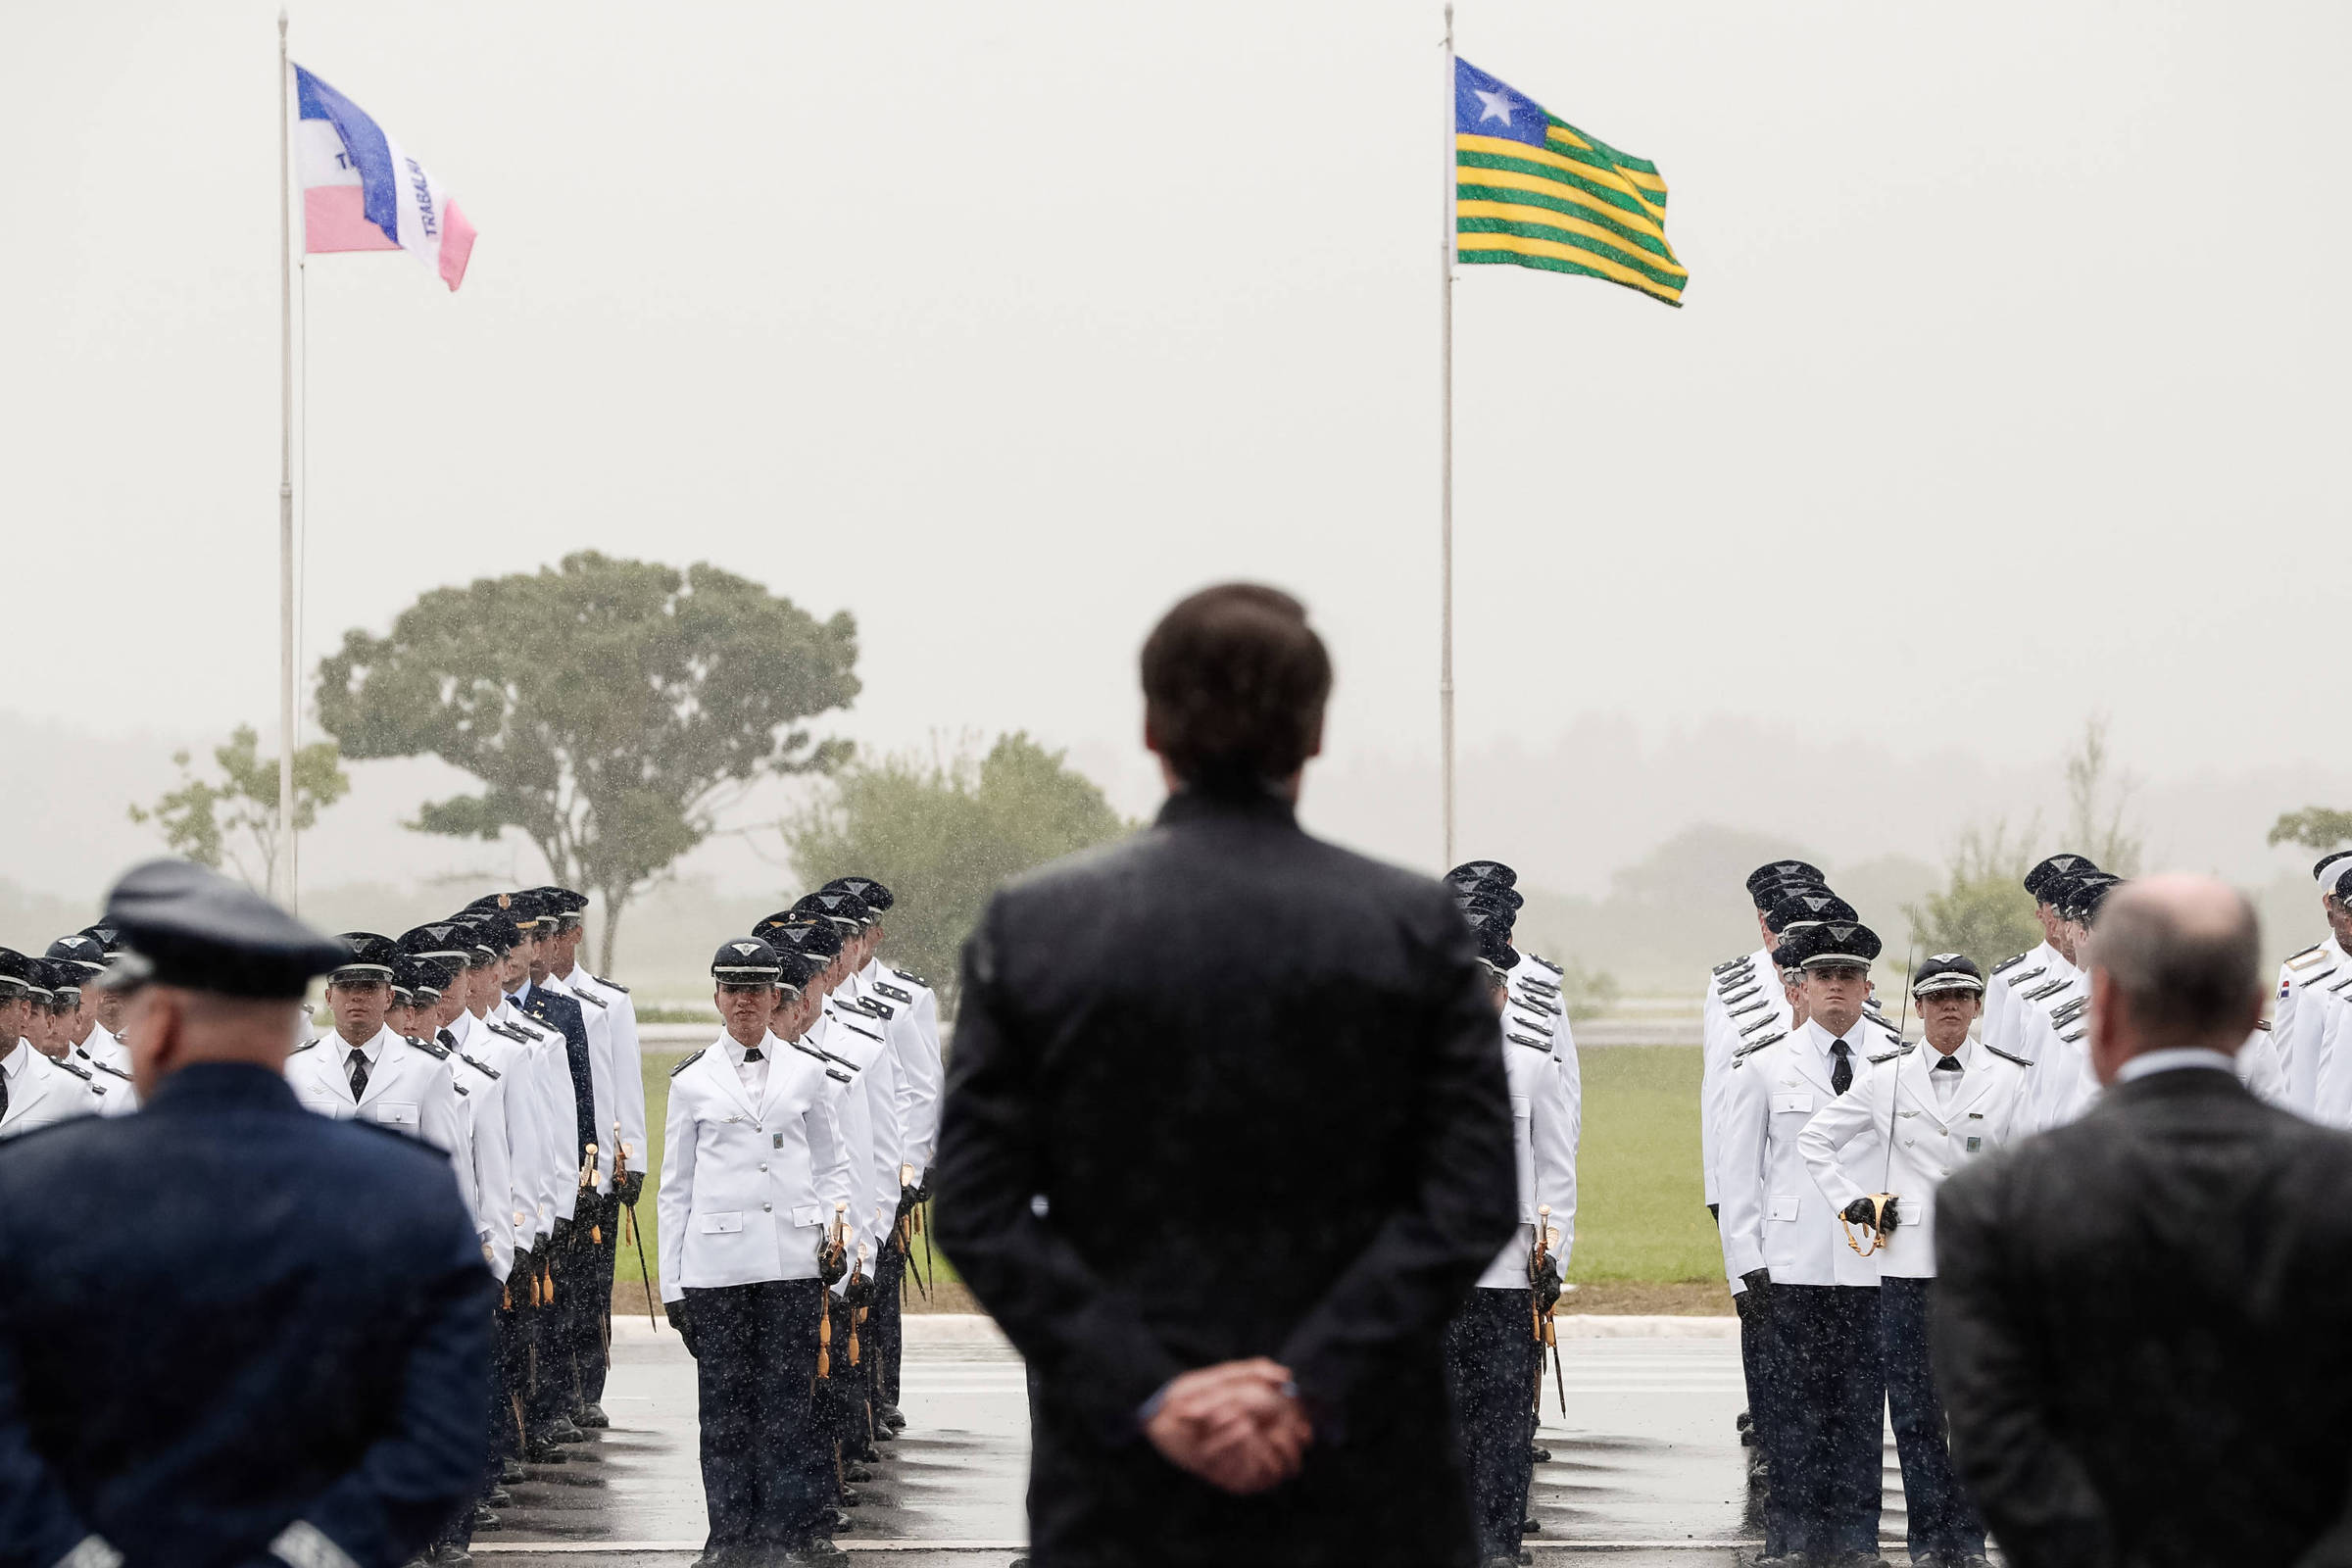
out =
column 768, row 1046
column 1968, row 1056
column 373, row 1049
column 18, row 1062
column 1822, row 1039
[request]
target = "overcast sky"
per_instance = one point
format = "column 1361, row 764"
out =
column 2009, row 385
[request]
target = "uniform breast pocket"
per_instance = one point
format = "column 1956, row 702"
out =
column 325, row 1105
column 807, row 1214
column 1785, row 1208
column 394, row 1112
column 1800, row 1103
column 723, row 1224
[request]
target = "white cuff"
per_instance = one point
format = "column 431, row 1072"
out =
column 303, row 1544
column 91, row 1551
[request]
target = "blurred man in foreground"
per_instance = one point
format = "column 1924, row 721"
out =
column 2143, row 1324
column 233, row 1332
column 1226, row 1143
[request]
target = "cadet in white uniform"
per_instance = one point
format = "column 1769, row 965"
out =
column 1820, row 1423
column 2293, row 1027
column 363, row 1070
column 1945, row 1105
column 34, row 1091
column 1492, row 1352
column 752, row 1172
column 2041, row 963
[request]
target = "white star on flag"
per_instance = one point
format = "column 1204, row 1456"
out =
column 1499, row 105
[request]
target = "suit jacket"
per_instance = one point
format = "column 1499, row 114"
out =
column 225, row 1318
column 2143, row 1333
column 1219, row 1091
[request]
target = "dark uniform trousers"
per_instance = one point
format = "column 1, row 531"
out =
column 547, row 1333
column 841, row 1398
column 598, row 1251
column 1822, row 1441
column 766, row 1476
column 1490, row 1365
column 885, row 1334
column 1941, row 1516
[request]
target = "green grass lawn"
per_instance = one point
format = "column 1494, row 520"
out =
column 1638, row 1213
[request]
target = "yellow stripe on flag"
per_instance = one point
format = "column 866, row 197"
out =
column 1520, row 245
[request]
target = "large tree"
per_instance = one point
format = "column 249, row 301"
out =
column 941, row 834
column 611, row 709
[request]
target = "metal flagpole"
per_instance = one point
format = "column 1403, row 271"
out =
column 285, row 878
column 1446, row 246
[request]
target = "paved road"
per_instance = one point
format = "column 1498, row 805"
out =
column 1645, row 1469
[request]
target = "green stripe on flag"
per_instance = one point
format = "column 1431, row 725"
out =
column 1633, row 261
column 1466, row 191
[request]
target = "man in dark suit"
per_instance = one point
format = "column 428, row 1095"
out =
column 1226, row 1142
column 2143, row 1320
column 234, row 1331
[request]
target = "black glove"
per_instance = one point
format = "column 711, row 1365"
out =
column 860, row 1290
column 683, row 1321
column 832, row 1263
column 909, row 1199
column 626, row 1191
column 1748, row 1303
column 923, row 1194
column 562, row 1228
column 1547, row 1289
column 1858, row 1212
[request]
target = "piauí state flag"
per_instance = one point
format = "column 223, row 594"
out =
column 359, row 192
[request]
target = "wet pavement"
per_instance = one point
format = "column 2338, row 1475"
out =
column 1645, row 1471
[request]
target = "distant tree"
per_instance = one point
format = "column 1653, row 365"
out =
column 943, row 833
column 612, row 708
column 2096, row 802
column 230, row 821
column 2316, row 827
column 1984, row 909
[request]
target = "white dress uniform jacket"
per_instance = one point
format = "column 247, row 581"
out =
column 1535, row 999
column 2296, row 1027
column 557, row 1179
column 1933, row 1137
column 914, row 1045
column 108, row 1062
column 1774, row 1217
column 409, row 1089
column 486, row 1176
column 1745, row 1001
column 41, row 1093
column 748, row 1189
column 2261, row 1070
column 2008, row 978
column 525, row 1142
column 1543, row 1143
column 862, row 1042
column 628, row 1067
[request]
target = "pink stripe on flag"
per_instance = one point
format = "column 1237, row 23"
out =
column 334, row 217
column 456, row 244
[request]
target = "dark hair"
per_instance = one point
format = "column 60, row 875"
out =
column 1234, row 686
column 2184, row 976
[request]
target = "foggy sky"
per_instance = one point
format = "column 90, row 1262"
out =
column 2007, row 388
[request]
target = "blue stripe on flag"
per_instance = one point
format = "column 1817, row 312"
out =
column 362, row 142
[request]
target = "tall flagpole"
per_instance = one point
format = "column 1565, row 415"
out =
column 285, row 878
column 1446, row 245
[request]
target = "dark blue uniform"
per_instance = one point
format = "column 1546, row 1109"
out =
column 227, row 1323
column 572, row 1334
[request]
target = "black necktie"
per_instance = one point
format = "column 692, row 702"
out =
column 3, row 1094
column 1948, row 1064
column 752, row 1053
column 447, row 1038
column 359, row 1074
column 1841, row 1076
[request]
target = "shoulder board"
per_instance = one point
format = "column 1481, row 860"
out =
column 1733, row 979
column 1754, row 1046
column 2077, row 1035
column 2027, row 975
column 431, row 1048
column 2007, row 964
column 1764, row 1022
column 609, row 985
column 590, row 997
column 867, row 1005
column 1892, row 1037
column 2262, row 1024
column 2322, row 975
column 854, row 1029
column 1543, row 1046
column 125, row 1077
column 1757, row 1006
column 881, row 1011
column 1878, row 1017
column 904, row 998
column 1548, row 963
column 2305, row 959
column 81, row 1073
column 910, row 977
column 2338, row 989
column 305, row 1046
column 837, row 1075
column 808, row 1049
column 460, row 1088
column 1730, row 964
column 688, row 1062
column 1542, row 1029
column 1889, row 1055
column 1538, row 1004
column 2065, row 1014
column 2050, row 990
column 484, row 1068
column 2009, row 1055
column 1742, row 994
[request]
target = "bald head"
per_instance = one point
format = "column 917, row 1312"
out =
column 2175, row 963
